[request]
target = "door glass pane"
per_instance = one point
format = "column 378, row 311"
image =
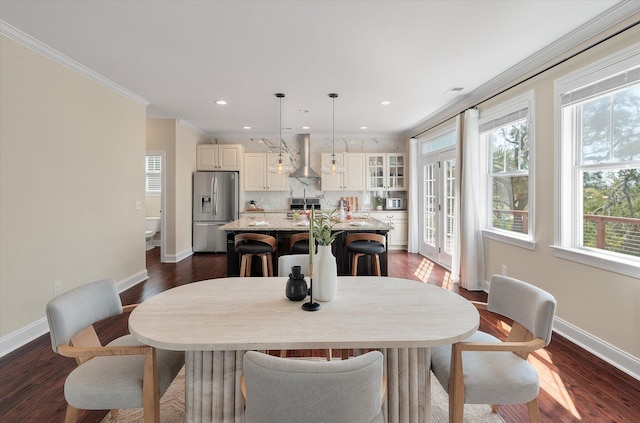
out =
column 430, row 205
column 449, row 203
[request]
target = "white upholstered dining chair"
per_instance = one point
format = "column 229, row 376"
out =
column 482, row 369
column 122, row 374
column 280, row 390
column 286, row 261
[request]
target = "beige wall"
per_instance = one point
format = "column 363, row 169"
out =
column 602, row 303
column 179, row 145
column 71, row 172
column 186, row 141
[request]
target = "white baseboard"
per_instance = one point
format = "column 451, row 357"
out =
column 174, row 258
column 602, row 349
column 23, row 336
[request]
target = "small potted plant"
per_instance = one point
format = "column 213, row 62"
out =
column 379, row 203
column 323, row 228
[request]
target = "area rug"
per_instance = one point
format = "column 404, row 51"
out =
column 172, row 407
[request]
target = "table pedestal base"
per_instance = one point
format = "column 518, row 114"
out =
column 213, row 386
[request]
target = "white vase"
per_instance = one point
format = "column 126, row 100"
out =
column 325, row 274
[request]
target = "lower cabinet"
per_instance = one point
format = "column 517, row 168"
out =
column 398, row 220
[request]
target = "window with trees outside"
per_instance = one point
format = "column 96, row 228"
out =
column 505, row 133
column 600, row 148
column 153, row 181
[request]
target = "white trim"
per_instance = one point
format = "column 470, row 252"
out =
column 564, row 45
column 28, row 41
column 601, row 261
column 526, row 101
column 175, row 258
column 507, row 238
column 23, row 336
column 192, row 127
column 566, row 209
column 602, row 349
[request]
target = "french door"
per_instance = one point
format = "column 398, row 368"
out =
column 437, row 217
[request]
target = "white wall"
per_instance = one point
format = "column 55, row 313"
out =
column 71, row 172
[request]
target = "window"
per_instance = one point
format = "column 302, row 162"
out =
column 599, row 146
column 153, row 166
column 506, row 137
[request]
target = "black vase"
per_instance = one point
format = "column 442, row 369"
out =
column 296, row 288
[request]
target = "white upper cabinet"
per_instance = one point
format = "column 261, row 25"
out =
column 353, row 179
column 218, row 156
column 386, row 171
column 258, row 178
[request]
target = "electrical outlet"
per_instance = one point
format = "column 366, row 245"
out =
column 504, row 270
column 57, row 288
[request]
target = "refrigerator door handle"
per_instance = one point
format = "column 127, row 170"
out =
column 214, row 194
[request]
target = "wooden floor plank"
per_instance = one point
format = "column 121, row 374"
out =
column 576, row 385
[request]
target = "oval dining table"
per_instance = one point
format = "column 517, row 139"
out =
column 216, row 321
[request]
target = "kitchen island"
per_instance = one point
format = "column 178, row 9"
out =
column 281, row 228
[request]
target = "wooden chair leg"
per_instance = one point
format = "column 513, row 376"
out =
column 249, row 264
column 115, row 413
column 344, row 353
column 265, row 266
column 72, row 414
column 495, row 408
column 534, row 411
column 378, row 271
column 151, row 389
column 270, row 263
column 243, row 266
column 456, row 386
column 354, row 264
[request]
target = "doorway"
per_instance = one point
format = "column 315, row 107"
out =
column 438, row 172
column 155, row 195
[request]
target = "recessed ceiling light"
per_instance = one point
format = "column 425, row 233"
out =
column 303, row 111
column 305, row 127
column 385, row 102
column 221, row 102
column 363, row 127
column 246, row 127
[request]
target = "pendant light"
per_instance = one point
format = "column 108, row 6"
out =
column 279, row 166
column 333, row 167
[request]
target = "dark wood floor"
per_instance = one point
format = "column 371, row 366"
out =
column 576, row 385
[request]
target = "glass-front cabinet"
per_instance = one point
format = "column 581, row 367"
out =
column 386, row 171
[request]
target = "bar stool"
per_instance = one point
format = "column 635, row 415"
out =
column 365, row 244
column 300, row 243
column 249, row 245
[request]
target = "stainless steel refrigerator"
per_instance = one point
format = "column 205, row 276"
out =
column 215, row 202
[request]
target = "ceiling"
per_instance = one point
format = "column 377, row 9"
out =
column 182, row 56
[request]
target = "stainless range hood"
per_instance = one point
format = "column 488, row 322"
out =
column 305, row 171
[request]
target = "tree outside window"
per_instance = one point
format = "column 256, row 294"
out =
column 509, row 174
column 609, row 126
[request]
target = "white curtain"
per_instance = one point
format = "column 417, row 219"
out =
column 413, row 201
column 455, row 254
column 471, row 209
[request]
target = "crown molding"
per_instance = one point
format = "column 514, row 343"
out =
column 192, row 127
column 26, row 40
column 615, row 15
